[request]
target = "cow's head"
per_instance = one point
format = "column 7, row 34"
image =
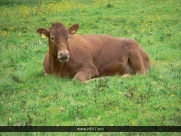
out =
column 58, row 36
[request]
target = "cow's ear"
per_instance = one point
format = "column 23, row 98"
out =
column 73, row 29
column 43, row 32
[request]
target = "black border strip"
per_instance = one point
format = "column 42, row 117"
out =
column 90, row 128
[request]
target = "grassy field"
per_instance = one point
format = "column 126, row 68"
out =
column 27, row 97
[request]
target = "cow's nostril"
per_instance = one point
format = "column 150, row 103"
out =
column 61, row 54
column 64, row 53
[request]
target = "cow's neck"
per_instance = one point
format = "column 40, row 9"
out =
column 56, row 65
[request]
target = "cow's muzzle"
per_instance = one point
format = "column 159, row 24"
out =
column 63, row 56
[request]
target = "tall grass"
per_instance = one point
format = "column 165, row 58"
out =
column 29, row 98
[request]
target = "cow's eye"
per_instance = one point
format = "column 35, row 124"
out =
column 52, row 38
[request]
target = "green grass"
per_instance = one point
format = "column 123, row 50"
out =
column 29, row 98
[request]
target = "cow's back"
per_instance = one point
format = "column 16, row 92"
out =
column 108, row 54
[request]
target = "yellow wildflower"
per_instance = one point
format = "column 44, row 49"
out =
column 10, row 119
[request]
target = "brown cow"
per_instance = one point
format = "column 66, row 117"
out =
column 88, row 56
